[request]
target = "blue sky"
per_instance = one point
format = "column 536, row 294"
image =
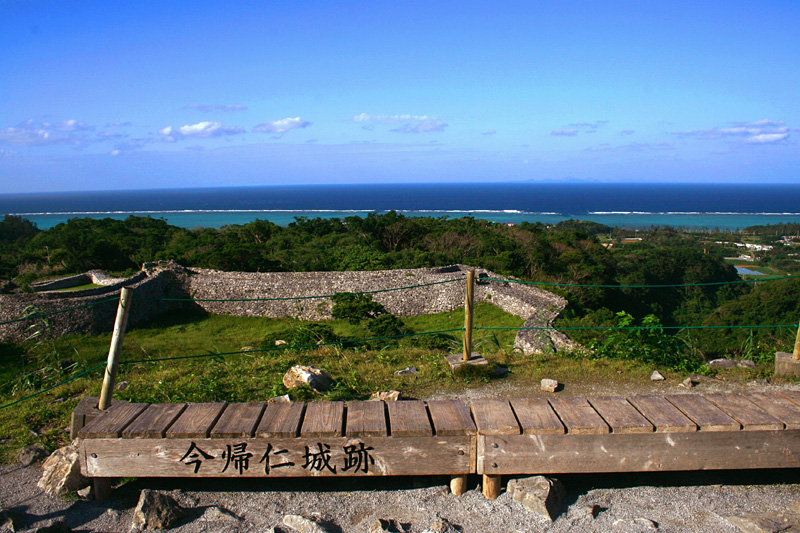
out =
column 117, row 95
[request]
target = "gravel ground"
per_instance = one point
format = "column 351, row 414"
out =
column 694, row 501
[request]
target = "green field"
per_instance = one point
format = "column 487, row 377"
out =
column 212, row 370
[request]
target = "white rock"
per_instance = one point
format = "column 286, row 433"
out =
column 312, row 376
column 656, row 376
column 386, row 396
column 549, row 385
column 61, row 472
column 303, row 525
column 156, row 511
column 538, row 494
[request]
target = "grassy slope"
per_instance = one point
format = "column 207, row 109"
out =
column 359, row 369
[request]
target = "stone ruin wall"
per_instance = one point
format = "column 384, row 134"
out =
column 538, row 307
column 90, row 317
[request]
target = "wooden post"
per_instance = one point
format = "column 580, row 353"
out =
column 458, row 484
column 115, row 348
column 468, row 314
column 796, row 353
column 491, row 486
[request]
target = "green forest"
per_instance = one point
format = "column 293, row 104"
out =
column 629, row 308
column 595, row 266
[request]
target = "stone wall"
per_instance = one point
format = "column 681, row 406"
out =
column 538, row 307
column 92, row 310
column 296, row 294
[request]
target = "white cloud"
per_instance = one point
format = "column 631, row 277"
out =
column 281, row 126
column 628, row 132
column 404, row 123
column 588, row 125
column 767, row 138
column 29, row 133
column 564, row 133
column 490, row 132
column 207, row 108
column 764, row 131
column 426, row 126
column 201, row 130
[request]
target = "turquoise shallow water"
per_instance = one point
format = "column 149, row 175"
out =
column 217, row 219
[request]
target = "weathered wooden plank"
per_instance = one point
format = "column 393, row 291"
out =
column 409, row 418
column 632, row 452
column 295, row 457
column 745, row 412
column 154, row 421
column 366, row 419
column 111, row 423
column 791, row 395
column 196, row 420
column 536, row 416
column 84, row 412
column 238, row 420
column 778, row 406
column 621, row 415
column 666, row 417
column 451, row 417
column 705, row 414
column 323, row 419
column 578, row 416
column 281, row 420
column 494, row 417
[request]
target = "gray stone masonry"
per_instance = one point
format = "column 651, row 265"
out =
column 295, row 292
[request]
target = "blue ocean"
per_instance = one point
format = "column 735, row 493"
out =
column 630, row 205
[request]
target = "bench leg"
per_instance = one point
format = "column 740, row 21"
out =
column 491, row 486
column 458, row 484
column 101, row 486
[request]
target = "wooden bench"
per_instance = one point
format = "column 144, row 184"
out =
column 490, row 437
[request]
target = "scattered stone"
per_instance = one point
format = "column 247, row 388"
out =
column 442, row 526
column 246, row 349
column 10, row 521
column 637, row 524
column 765, row 522
column 657, row 376
column 390, row 526
column 113, row 514
column 538, row 494
column 30, row 454
column 56, row 527
column 61, row 472
column 645, row 523
column 156, row 511
column 312, row 376
column 549, row 385
column 500, row 371
column 280, row 399
column 386, row 396
column 122, row 385
column 592, row 510
column 731, row 363
column 406, row 370
column 688, row 383
column 219, row 513
column 85, row 493
column 303, row 525
column 281, row 342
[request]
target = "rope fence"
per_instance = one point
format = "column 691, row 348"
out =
column 467, row 329
column 666, row 286
column 407, row 287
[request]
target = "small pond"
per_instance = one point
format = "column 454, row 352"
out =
column 747, row 272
